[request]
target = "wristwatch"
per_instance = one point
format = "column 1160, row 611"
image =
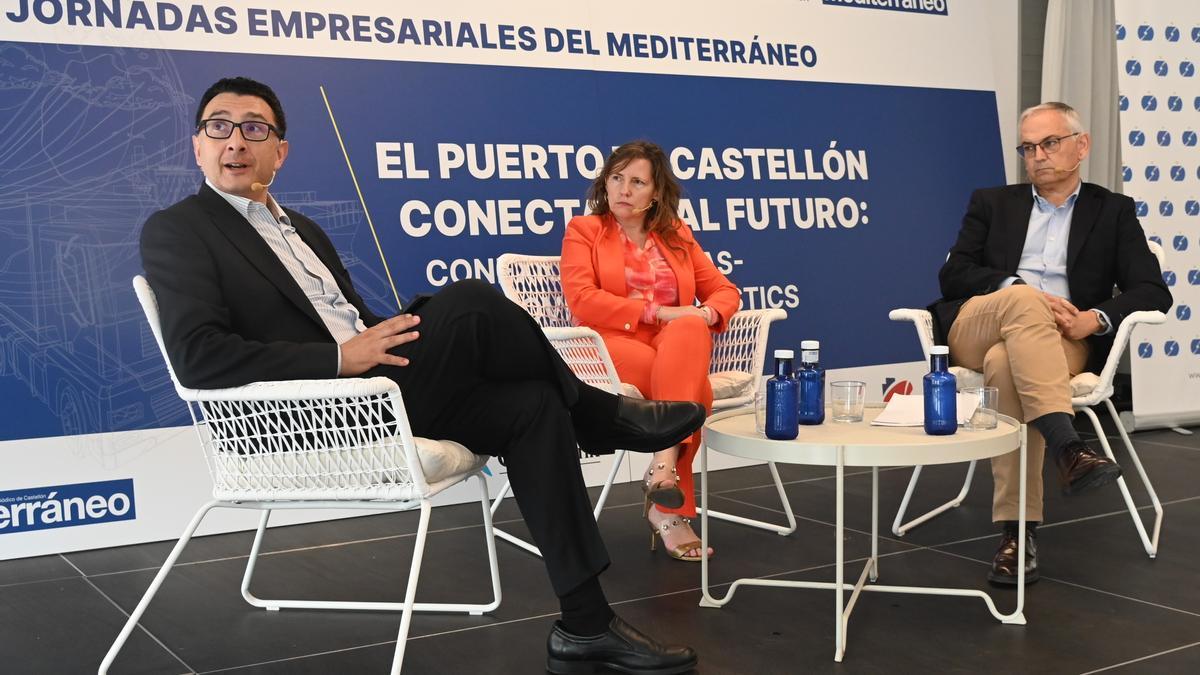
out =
column 1104, row 325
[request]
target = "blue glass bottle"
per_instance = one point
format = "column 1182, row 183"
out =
column 782, row 399
column 811, row 378
column 941, row 404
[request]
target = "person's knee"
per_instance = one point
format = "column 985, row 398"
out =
column 995, row 361
column 1025, row 300
column 1025, row 295
column 690, row 328
column 471, row 291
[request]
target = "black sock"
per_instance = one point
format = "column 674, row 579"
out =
column 585, row 610
column 1011, row 526
column 1057, row 429
column 594, row 409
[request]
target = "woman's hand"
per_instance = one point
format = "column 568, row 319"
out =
column 669, row 314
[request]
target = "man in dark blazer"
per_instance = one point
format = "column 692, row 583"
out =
column 251, row 291
column 1027, row 298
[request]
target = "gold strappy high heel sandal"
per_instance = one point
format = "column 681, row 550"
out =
column 680, row 551
column 669, row 496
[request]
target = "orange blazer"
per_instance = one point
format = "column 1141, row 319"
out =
column 593, row 276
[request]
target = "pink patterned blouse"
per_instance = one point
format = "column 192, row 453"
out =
column 648, row 276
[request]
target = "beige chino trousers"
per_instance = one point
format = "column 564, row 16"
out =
column 1010, row 336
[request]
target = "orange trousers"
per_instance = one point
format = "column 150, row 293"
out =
column 669, row 363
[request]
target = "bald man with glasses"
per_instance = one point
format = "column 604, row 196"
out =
column 1027, row 298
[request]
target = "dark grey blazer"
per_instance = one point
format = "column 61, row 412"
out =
column 231, row 312
column 1106, row 247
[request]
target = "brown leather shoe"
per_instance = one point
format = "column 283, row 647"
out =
column 1082, row 469
column 1004, row 565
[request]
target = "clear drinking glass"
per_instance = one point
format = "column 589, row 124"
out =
column 847, row 399
column 985, row 412
column 760, row 408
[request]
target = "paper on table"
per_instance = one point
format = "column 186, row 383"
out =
column 909, row 411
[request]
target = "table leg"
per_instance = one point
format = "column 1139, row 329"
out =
column 840, row 622
column 874, row 524
column 1017, row 616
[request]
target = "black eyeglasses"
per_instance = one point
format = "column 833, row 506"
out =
column 251, row 131
column 1048, row 146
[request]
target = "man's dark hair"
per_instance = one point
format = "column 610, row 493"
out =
column 244, row 86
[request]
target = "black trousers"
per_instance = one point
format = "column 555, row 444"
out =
column 483, row 374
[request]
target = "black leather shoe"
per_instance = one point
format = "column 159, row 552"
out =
column 643, row 426
column 1082, row 469
column 1004, row 565
column 622, row 648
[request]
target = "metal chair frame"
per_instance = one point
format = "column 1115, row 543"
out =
column 1100, row 393
column 317, row 444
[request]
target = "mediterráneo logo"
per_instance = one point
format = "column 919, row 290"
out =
column 941, row 7
column 45, row 508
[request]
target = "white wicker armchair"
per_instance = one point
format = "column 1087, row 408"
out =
column 1087, row 390
column 534, row 283
column 318, row 444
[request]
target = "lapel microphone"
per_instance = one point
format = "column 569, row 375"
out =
column 256, row 186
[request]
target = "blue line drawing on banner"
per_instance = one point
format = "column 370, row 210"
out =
column 97, row 139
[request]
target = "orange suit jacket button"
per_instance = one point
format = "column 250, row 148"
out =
column 627, row 327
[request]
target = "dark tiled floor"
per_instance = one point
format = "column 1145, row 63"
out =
column 1102, row 604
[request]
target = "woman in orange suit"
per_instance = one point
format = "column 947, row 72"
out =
column 633, row 272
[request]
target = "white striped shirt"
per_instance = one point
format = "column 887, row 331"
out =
column 340, row 317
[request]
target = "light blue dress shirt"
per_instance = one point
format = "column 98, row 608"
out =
column 1043, row 262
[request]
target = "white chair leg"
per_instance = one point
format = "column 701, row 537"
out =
column 618, row 458
column 410, row 593
column 899, row 530
column 1149, row 542
column 511, row 538
column 474, row 609
column 137, row 612
column 762, row 525
column 250, row 563
column 490, row 538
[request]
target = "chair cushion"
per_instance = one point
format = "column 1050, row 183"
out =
column 1081, row 385
column 341, row 469
column 730, row 384
column 442, row 459
column 1084, row 384
column 966, row 377
column 725, row 384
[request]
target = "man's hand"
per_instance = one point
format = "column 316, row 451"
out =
column 1083, row 325
column 370, row 348
column 668, row 314
column 1065, row 313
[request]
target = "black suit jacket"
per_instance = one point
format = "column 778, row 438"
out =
column 1106, row 247
column 231, row 313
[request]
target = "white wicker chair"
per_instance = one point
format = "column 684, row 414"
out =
column 534, row 283
column 318, row 444
column 1087, row 390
